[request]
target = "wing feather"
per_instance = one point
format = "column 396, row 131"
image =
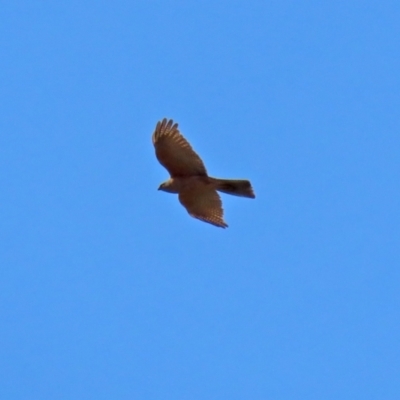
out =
column 174, row 152
column 204, row 204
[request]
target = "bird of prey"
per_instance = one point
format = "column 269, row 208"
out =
column 189, row 179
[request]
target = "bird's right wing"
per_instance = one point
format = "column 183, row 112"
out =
column 204, row 204
column 174, row 152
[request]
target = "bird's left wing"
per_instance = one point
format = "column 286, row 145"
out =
column 174, row 152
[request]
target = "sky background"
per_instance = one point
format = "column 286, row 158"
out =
column 109, row 290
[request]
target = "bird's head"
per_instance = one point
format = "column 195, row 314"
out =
column 162, row 186
column 166, row 186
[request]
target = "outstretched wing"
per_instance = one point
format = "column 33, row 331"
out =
column 174, row 152
column 204, row 204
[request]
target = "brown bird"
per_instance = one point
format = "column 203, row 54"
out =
column 197, row 191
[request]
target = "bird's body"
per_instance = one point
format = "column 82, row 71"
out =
column 235, row 187
column 197, row 191
column 177, row 184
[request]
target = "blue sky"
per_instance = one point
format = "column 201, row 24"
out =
column 109, row 290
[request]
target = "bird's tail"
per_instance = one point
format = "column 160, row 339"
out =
column 236, row 187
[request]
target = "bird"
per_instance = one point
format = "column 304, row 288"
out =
column 197, row 191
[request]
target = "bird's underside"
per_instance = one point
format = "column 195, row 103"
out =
column 189, row 179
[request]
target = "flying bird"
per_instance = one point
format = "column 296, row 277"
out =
column 196, row 190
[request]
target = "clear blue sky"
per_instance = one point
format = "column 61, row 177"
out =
column 109, row 290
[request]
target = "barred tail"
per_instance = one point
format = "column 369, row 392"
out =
column 235, row 187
